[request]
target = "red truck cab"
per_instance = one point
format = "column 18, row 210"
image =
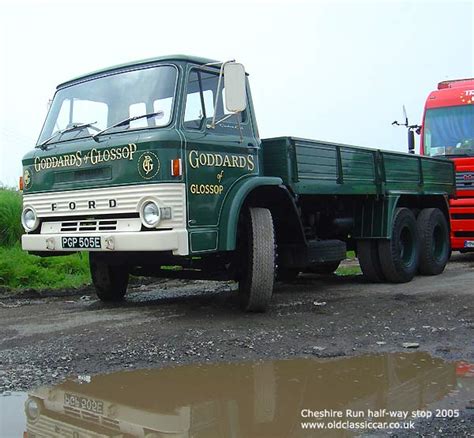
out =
column 448, row 130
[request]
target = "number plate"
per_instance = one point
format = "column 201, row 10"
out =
column 469, row 244
column 84, row 403
column 82, row 242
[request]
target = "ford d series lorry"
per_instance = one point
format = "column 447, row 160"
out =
column 159, row 162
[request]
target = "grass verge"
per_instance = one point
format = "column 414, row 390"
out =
column 348, row 270
column 19, row 270
column 10, row 213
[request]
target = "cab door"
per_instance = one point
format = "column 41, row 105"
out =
column 216, row 158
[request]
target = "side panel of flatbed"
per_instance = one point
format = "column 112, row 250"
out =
column 312, row 167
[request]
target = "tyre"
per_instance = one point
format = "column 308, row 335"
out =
column 110, row 281
column 399, row 256
column 324, row 268
column 369, row 260
column 435, row 247
column 257, row 260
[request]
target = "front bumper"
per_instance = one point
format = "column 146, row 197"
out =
column 462, row 223
column 162, row 240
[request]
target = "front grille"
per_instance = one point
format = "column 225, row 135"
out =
column 465, row 180
column 464, row 234
column 462, row 215
column 47, row 427
column 88, row 225
column 56, row 206
column 72, row 412
column 83, row 175
column 92, row 225
column 92, row 418
column 112, row 424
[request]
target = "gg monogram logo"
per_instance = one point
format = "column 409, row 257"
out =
column 148, row 165
column 27, row 178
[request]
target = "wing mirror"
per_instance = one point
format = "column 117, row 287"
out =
column 235, row 94
column 234, row 85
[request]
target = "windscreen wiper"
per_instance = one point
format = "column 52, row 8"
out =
column 458, row 154
column 126, row 121
column 63, row 131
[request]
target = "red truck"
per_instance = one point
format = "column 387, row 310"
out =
column 448, row 130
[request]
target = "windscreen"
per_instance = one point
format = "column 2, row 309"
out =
column 449, row 131
column 101, row 102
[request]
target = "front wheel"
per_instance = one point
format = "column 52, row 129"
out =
column 257, row 260
column 369, row 260
column 110, row 281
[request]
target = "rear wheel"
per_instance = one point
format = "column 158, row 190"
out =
column 257, row 259
column 434, row 241
column 110, row 281
column 369, row 260
column 399, row 255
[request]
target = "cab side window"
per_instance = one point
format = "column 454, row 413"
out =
column 200, row 100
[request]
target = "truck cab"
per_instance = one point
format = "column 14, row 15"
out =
column 131, row 177
column 141, row 161
column 448, row 131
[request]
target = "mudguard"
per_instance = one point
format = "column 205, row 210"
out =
column 230, row 212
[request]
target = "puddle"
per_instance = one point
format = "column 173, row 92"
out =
column 12, row 418
column 264, row 399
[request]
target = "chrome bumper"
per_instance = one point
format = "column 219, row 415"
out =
column 166, row 240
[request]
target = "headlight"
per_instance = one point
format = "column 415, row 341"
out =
column 29, row 219
column 151, row 214
column 32, row 409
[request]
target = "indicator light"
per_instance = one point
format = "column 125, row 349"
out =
column 176, row 167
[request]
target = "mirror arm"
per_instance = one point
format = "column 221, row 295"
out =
column 213, row 124
column 240, row 128
column 228, row 116
column 221, row 74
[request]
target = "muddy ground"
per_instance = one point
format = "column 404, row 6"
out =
column 44, row 339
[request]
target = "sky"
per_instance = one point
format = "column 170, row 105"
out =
column 329, row 70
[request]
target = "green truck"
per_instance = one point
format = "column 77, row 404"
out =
column 159, row 163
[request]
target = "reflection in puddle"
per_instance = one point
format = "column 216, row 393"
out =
column 240, row 400
column 12, row 419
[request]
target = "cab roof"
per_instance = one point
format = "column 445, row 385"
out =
column 182, row 58
column 452, row 93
